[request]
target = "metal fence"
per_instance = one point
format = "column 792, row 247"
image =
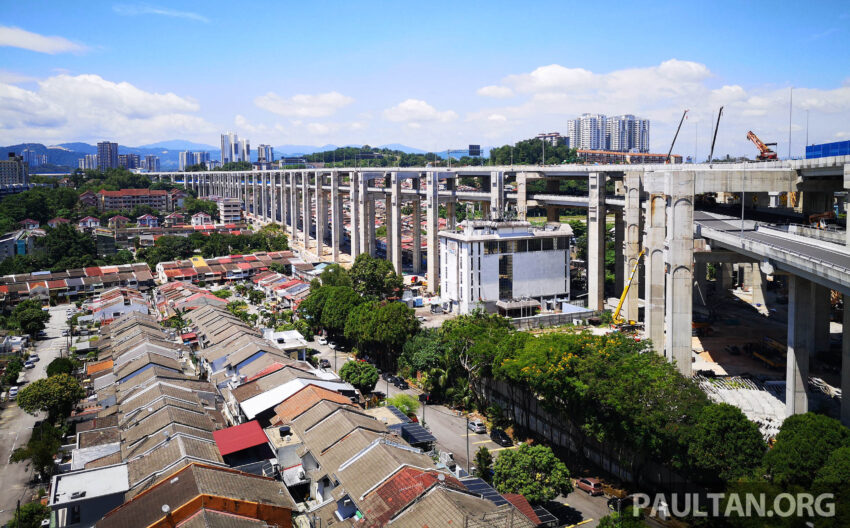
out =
column 556, row 319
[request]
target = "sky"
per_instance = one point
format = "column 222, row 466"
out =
column 432, row 75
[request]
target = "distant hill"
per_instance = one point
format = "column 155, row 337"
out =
column 180, row 145
column 403, row 148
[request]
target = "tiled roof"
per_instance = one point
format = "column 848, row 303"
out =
column 305, row 399
column 239, row 437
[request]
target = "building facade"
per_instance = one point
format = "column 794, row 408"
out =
column 14, row 170
column 490, row 264
column 151, row 163
column 229, row 210
column 185, row 158
column 32, row 158
column 201, row 157
column 88, row 162
column 233, row 149
column 107, row 155
column 624, row 133
column 265, row 153
column 129, row 161
column 127, row 199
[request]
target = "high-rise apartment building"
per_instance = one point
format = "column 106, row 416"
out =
column 625, row 133
column 14, row 170
column 202, row 157
column 33, row 158
column 151, row 163
column 88, row 162
column 233, row 149
column 185, row 158
column 265, row 153
column 553, row 138
column 129, row 161
column 107, row 155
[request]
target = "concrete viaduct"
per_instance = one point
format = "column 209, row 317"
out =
column 655, row 207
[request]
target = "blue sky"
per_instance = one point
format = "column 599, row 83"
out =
column 435, row 75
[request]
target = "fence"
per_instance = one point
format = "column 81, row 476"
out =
column 547, row 320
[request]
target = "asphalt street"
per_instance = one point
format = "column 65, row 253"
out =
column 16, row 425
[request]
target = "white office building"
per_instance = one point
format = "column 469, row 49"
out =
column 265, row 153
column 503, row 266
column 229, row 210
column 202, row 157
column 185, row 159
column 233, row 149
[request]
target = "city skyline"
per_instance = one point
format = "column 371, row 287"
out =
column 490, row 76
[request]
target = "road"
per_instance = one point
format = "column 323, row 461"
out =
column 16, row 425
column 449, row 428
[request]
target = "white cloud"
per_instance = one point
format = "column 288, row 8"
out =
column 303, row 105
column 497, row 118
column 146, row 9
column 88, row 107
column 20, row 38
column 417, row 110
column 498, row 92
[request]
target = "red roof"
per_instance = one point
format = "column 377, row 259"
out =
column 239, row 437
column 274, row 367
column 93, row 271
column 399, row 490
column 244, row 266
column 188, row 336
column 523, row 506
column 56, row 284
column 173, row 273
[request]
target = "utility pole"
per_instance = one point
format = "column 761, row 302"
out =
column 790, row 112
column 467, row 443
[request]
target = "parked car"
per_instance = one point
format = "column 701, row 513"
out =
column 401, row 383
column 323, row 341
column 34, row 357
column 501, row 437
column 477, row 426
column 42, row 334
column 331, row 345
column 13, row 392
column 324, row 363
column 422, row 319
column 590, row 485
column 387, row 376
column 29, row 364
column 64, row 333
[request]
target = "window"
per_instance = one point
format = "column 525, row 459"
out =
column 562, row 242
column 547, row 244
column 534, row 244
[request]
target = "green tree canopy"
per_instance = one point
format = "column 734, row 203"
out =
column 484, row 464
column 381, row 328
column 30, row 515
column 341, row 300
column 834, row 477
column 374, row 277
column 405, row 403
column 532, row 471
column 363, row 376
column 335, row 275
column 803, row 445
column 44, row 443
column 55, row 395
column 62, row 365
column 724, row 444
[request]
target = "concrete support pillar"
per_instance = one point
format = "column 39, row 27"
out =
column 724, row 277
column 307, row 205
column 389, row 219
column 497, row 195
column 321, row 214
column 680, row 269
column 485, row 210
column 365, row 218
column 596, row 241
column 336, row 216
column 254, row 194
column 284, row 201
column 432, row 218
column 821, row 306
column 273, row 198
column 619, row 262
column 521, row 196
column 552, row 186
column 417, row 233
column 294, row 212
column 373, row 215
column 845, row 363
column 355, row 240
column 632, row 243
column 797, row 361
column 451, row 205
column 754, row 280
column 395, row 213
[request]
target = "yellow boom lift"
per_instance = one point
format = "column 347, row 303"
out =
column 617, row 319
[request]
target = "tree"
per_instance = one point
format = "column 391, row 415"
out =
column 374, row 277
column 340, row 301
column 223, row 293
column 55, row 395
column 335, row 275
column 532, row 471
column 405, row 403
column 196, row 205
column 382, row 327
column 803, row 445
column 42, row 446
column 627, row 519
column 30, row 516
column 484, row 464
column 256, row 296
column 29, row 317
column 834, row 477
column 62, row 365
column 724, row 444
column 363, row 376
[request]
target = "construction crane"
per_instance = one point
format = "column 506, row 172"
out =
column 716, row 126
column 765, row 152
column 669, row 152
column 617, row 319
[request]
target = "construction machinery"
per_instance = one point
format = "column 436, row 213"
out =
column 714, row 139
column 617, row 319
column 819, row 220
column 765, row 152
column 670, row 152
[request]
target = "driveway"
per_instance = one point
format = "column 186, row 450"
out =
column 16, row 425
